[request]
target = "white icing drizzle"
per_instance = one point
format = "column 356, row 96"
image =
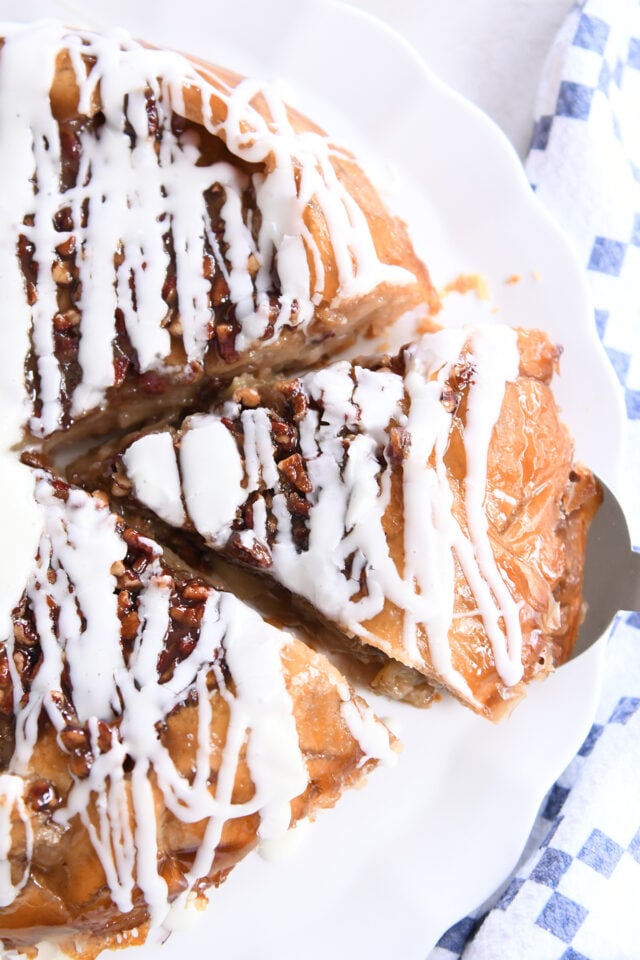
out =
column 80, row 543
column 161, row 490
column 371, row 736
column 212, row 496
column 351, row 492
column 12, row 807
column 485, row 401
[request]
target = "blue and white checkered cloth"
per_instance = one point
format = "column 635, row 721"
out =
column 576, row 893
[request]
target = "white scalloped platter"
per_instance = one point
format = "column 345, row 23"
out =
column 394, row 865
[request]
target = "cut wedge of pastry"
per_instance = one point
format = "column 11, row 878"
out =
column 427, row 504
column 154, row 730
column 167, row 224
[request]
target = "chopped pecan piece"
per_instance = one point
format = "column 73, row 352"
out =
column 462, row 375
column 226, row 339
column 121, row 364
column 62, row 273
column 254, row 554
column 80, row 764
column 169, row 290
column 247, row 397
column 66, row 248
column 121, row 486
column 219, row 290
column 187, row 616
column 284, row 435
column 298, row 505
column 74, row 737
column 449, row 399
column 292, row 390
column 42, row 795
column 295, row 471
column 63, row 220
column 399, row 444
column 151, row 383
column 195, row 590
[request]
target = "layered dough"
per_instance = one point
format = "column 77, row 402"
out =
column 426, row 504
column 154, row 730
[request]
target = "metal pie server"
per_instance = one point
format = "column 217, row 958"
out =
column 612, row 572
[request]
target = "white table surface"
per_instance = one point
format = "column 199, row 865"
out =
column 491, row 51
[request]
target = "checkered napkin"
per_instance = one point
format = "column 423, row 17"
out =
column 576, row 893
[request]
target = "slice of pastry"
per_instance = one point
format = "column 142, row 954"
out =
column 427, row 504
column 167, row 224
column 154, row 730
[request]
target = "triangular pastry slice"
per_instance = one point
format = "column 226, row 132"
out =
column 167, row 224
column 427, row 504
column 154, row 730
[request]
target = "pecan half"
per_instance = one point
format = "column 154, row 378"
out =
column 295, row 471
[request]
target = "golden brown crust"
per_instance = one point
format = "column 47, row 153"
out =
column 389, row 233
